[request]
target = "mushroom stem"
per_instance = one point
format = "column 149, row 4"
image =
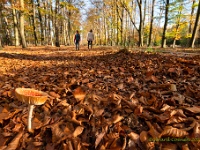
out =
column 30, row 114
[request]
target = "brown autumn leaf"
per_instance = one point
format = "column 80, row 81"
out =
column 176, row 119
column 53, row 94
column 196, row 131
column 57, row 133
column 117, row 118
column 115, row 98
column 15, row 142
column 144, row 136
column 152, row 130
column 170, row 131
column 99, row 138
column 18, row 127
column 3, row 140
column 79, row 94
column 78, row 131
column 193, row 109
column 135, row 138
column 169, row 146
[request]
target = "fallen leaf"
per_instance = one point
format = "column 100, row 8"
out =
column 173, row 132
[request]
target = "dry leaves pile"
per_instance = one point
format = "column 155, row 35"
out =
column 112, row 101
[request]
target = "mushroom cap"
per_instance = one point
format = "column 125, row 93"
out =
column 31, row 96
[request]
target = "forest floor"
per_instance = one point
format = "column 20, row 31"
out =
column 103, row 98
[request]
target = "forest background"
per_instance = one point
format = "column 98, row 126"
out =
column 128, row 23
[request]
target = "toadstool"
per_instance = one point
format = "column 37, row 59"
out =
column 31, row 97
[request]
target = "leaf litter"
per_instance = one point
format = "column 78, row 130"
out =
column 101, row 99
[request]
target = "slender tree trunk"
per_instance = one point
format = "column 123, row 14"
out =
column 33, row 22
column 41, row 23
column 1, row 28
column 117, row 21
column 165, row 24
column 151, row 24
column 16, row 29
column 141, row 24
column 143, row 20
column 177, row 25
column 50, row 24
column 191, row 22
column 7, row 32
column 22, row 34
column 45, row 23
column 57, row 31
column 64, row 33
column 121, row 27
column 191, row 17
column 195, row 27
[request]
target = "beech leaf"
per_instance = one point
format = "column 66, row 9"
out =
column 15, row 142
column 173, row 132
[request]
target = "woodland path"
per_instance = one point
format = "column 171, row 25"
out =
column 101, row 99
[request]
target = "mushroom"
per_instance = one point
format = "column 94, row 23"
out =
column 31, row 97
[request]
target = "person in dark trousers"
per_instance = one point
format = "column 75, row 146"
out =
column 77, row 39
column 90, row 38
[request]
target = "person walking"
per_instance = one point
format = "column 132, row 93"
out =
column 90, row 38
column 77, row 39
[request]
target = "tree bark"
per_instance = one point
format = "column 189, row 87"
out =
column 57, row 31
column 41, row 23
column 191, row 17
column 22, row 34
column 177, row 25
column 16, row 29
column 33, row 22
column 1, row 27
column 195, row 27
column 141, row 24
column 151, row 24
column 165, row 24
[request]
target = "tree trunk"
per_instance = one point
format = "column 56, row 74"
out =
column 141, row 24
column 191, row 22
column 191, row 17
column 64, row 33
column 7, row 32
column 33, row 22
column 151, row 24
column 1, row 27
column 41, row 23
column 16, row 29
column 45, row 23
column 165, row 25
column 22, row 34
column 117, row 27
column 57, row 31
column 50, row 24
column 195, row 27
column 177, row 25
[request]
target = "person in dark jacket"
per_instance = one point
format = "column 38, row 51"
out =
column 77, row 39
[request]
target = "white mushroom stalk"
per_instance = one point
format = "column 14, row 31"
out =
column 31, row 97
column 30, row 116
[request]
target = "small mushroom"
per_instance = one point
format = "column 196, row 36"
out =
column 31, row 97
